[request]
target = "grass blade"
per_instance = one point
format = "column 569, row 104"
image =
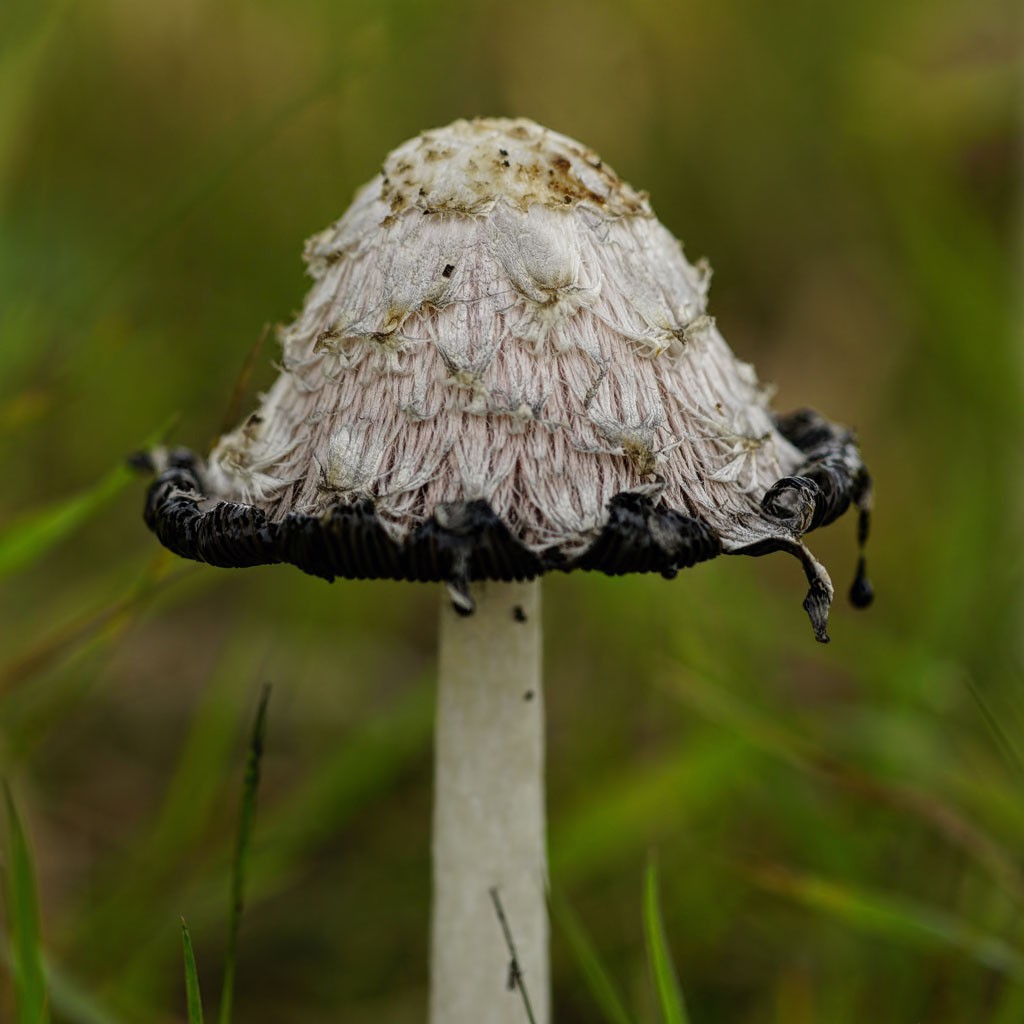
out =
column 1002, row 739
column 250, row 787
column 193, row 999
column 72, row 1003
column 345, row 782
column 515, row 973
column 23, row 922
column 241, row 389
column 70, row 639
column 894, row 917
column 666, row 984
column 31, row 536
column 598, row 981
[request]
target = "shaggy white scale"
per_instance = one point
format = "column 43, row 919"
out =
column 498, row 316
column 505, row 366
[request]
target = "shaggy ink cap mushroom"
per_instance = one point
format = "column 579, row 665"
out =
column 506, row 366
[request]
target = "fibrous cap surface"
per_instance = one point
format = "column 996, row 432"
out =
column 499, row 322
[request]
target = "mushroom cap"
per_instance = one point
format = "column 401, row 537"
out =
column 506, row 365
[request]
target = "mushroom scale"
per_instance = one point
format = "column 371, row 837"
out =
column 506, row 366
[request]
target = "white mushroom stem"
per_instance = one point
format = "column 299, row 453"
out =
column 489, row 822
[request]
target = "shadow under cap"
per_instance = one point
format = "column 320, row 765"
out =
column 506, row 367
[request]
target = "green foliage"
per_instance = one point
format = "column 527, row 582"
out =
column 250, row 788
column 888, row 916
column 241, row 857
column 23, row 934
column 668, row 993
column 663, row 972
column 588, row 962
column 193, row 997
column 29, row 538
column 840, row 830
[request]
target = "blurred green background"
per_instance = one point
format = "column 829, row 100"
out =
column 840, row 830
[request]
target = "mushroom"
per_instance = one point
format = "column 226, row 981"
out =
column 505, row 366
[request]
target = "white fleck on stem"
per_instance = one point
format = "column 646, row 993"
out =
column 489, row 822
